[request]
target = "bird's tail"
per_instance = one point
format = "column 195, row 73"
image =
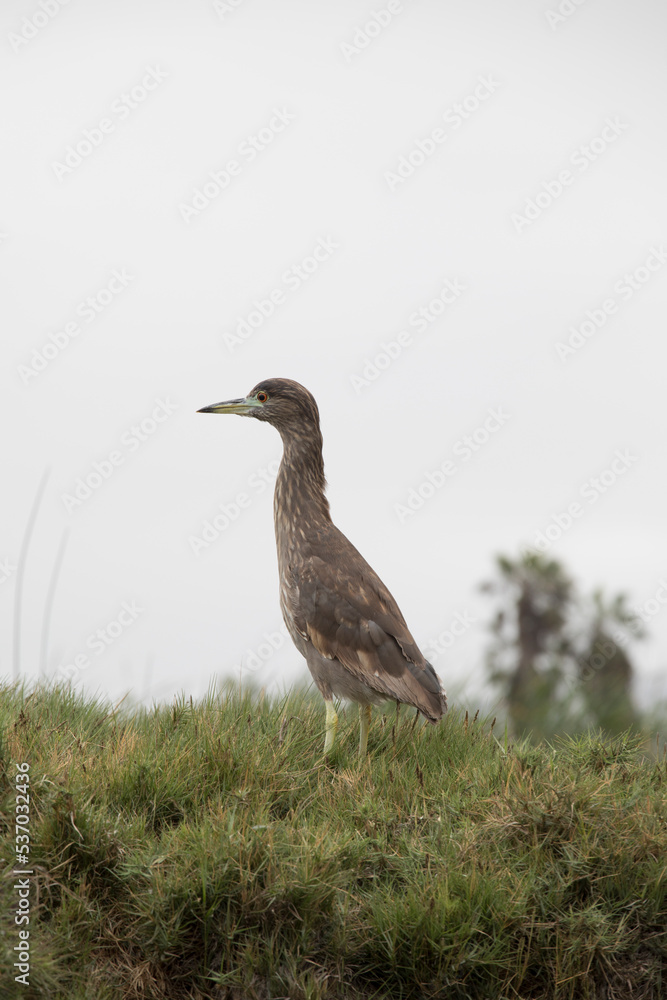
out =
column 436, row 696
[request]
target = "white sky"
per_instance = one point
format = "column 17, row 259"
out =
column 582, row 97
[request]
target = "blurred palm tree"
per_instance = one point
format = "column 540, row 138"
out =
column 560, row 661
column 604, row 668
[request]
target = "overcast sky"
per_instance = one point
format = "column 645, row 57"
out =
column 446, row 219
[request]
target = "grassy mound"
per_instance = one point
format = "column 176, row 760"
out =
column 207, row 851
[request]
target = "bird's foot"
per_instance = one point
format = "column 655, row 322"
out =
column 331, row 727
column 364, row 725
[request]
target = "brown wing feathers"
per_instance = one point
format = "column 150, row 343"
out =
column 366, row 632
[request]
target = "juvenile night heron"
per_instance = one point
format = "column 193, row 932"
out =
column 337, row 610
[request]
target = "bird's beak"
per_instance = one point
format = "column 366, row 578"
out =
column 243, row 407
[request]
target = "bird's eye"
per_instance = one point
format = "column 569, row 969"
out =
column 262, row 396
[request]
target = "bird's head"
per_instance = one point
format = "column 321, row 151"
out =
column 280, row 401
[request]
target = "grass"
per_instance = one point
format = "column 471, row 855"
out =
column 206, row 850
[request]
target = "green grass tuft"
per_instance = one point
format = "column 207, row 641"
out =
column 207, row 850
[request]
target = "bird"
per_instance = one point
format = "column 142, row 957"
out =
column 338, row 612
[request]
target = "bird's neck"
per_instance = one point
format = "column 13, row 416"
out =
column 299, row 496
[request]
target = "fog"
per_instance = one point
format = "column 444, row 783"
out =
column 447, row 220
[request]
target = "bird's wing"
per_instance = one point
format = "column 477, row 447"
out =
column 348, row 614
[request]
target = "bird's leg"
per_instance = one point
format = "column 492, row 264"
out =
column 364, row 724
column 331, row 726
